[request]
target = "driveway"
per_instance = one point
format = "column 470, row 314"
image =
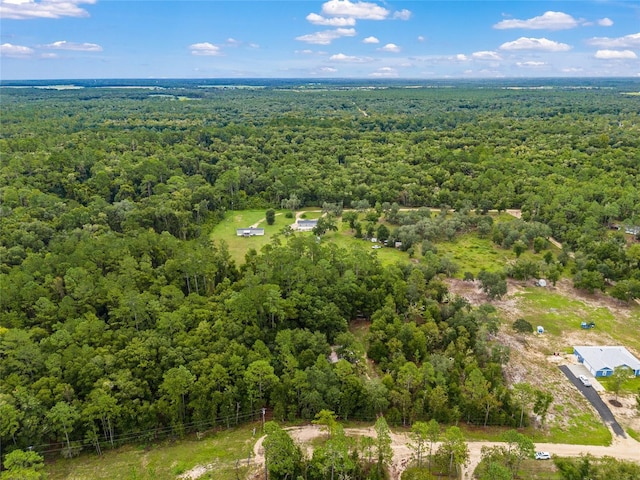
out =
column 597, row 402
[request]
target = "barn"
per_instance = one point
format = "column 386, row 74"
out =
column 602, row 361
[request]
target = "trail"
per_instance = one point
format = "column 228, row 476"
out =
column 262, row 220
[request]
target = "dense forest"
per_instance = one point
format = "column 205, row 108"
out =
column 121, row 318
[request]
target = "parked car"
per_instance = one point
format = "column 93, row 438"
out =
column 543, row 456
column 585, row 381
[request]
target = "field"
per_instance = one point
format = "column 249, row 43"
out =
column 473, row 254
column 166, row 460
column 239, row 246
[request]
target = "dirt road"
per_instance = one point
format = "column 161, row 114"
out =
column 622, row 449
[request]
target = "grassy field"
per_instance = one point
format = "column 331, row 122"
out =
column 560, row 314
column 163, row 461
column 473, row 254
column 239, row 246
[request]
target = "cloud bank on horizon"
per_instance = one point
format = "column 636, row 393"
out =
column 52, row 39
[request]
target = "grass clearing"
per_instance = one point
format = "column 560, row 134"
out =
column 239, row 246
column 560, row 314
column 473, row 254
column 582, row 429
column 164, row 460
column 539, row 470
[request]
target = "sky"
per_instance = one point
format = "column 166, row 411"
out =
column 78, row 39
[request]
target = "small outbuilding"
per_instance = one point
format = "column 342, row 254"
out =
column 602, row 361
column 250, row 232
column 540, row 329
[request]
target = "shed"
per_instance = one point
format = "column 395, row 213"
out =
column 602, row 361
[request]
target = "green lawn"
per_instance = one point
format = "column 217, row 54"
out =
column 165, row 460
column 239, row 246
column 631, row 386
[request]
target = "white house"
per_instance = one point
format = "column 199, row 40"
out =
column 306, row 225
column 249, row 232
column 602, row 361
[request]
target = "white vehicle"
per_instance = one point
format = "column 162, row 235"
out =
column 585, row 381
column 543, row 456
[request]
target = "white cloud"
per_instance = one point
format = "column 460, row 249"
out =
column 525, row 43
column 615, row 55
column 385, row 72
column 359, row 10
column 628, row 41
column 402, row 14
column 72, row 46
column 462, row 57
column 571, row 70
column 325, row 37
column 332, row 22
column 530, row 64
column 254, row 45
column 486, row 55
column 605, row 22
column 328, row 70
column 49, row 55
column 390, row 47
column 421, row 38
column 547, row 21
column 16, row 51
column 341, row 57
column 30, row 9
column 371, row 40
column 205, row 49
column 232, row 42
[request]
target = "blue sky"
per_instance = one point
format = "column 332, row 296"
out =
column 58, row 39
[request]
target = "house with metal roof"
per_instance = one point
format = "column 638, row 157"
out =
column 602, row 361
column 249, row 232
column 304, row 225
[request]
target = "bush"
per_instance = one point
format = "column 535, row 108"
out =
column 522, row 326
column 415, row 473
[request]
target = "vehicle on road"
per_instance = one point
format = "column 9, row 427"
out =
column 585, row 381
column 543, row 456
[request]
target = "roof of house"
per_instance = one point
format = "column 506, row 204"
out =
column 307, row 223
column 250, row 230
column 607, row 357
